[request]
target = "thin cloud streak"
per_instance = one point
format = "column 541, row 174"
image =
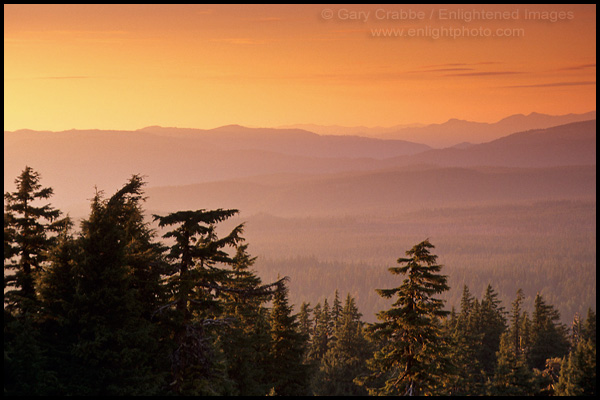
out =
column 490, row 73
column 441, row 70
column 578, row 67
column 553, row 84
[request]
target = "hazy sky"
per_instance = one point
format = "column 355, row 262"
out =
column 203, row 66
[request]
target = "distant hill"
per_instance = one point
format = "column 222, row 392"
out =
column 381, row 192
column 74, row 162
column 377, row 131
column 455, row 131
column 570, row 144
column 294, row 142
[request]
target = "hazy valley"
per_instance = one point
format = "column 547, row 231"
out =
column 333, row 212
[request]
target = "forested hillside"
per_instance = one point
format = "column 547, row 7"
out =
column 108, row 306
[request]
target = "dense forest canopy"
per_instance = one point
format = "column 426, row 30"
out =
column 111, row 308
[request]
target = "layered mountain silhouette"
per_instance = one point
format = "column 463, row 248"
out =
column 75, row 161
column 381, row 192
column 455, row 131
column 520, row 204
column 570, row 144
column 294, row 142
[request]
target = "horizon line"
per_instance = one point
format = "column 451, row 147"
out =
column 296, row 125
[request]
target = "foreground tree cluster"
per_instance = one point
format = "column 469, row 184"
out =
column 109, row 309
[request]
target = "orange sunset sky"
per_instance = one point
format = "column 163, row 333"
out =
column 203, row 66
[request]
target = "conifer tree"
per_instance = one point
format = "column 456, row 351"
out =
column 305, row 327
column 578, row 371
column 336, row 313
column 322, row 332
column 589, row 328
column 200, row 271
column 289, row 375
column 466, row 339
column 246, row 339
column 576, row 330
column 346, row 359
column 412, row 359
column 513, row 376
column 305, row 322
column 578, row 368
column 113, row 349
column 59, row 323
column 493, row 325
column 28, row 228
column 549, row 336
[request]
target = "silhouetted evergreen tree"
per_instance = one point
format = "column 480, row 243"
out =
column 113, row 352
column 29, row 233
column 199, row 272
column 246, row 339
column 28, row 228
column 59, row 323
column 412, row 359
column 289, row 375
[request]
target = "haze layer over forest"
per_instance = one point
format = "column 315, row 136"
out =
column 515, row 209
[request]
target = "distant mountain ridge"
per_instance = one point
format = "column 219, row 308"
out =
column 455, row 131
column 383, row 191
column 295, row 142
column 570, row 144
column 552, row 163
column 73, row 162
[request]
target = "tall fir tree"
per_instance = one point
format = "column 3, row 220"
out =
column 346, row 358
column 512, row 375
column 200, row 270
column 413, row 358
column 246, row 339
column 493, row 325
column 289, row 374
column 578, row 371
column 589, row 327
column 305, row 322
column 336, row 313
column 29, row 233
column 548, row 337
column 113, row 353
column 466, row 343
column 57, row 294
column 29, row 228
column 578, row 368
column 321, row 337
